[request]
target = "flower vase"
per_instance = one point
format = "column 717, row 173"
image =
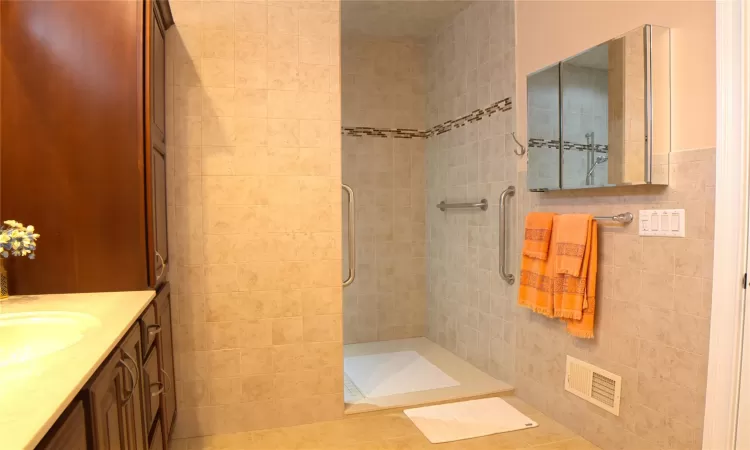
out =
column 3, row 281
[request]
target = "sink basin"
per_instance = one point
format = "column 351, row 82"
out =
column 27, row 336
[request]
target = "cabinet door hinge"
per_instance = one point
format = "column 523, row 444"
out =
column 744, row 281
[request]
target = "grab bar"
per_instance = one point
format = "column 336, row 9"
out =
column 482, row 204
column 351, row 230
column 508, row 277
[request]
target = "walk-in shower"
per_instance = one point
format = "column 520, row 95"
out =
column 426, row 98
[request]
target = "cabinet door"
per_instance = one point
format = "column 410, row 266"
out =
column 159, row 204
column 69, row 432
column 107, row 399
column 131, row 358
column 158, row 80
column 169, row 401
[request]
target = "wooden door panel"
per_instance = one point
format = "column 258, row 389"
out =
column 72, row 105
column 131, row 353
column 159, row 201
column 166, row 351
column 158, row 78
column 106, row 400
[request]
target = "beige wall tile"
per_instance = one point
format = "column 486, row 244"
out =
column 218, row 43
column 283, row 47
column 251, row 16
column 283, row 18
column 251, row 103
column 225, row 391
column 287, row 331
column 217, row 72
column 325, row 328
column 257, row 388
column 256, row 334
column 218, row 102
column 218, row 15
column 250, row 73
column 252, row 132
column 250, row 46
column 256, row 361
column 223, row 363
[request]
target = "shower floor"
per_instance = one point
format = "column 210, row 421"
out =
column 409, row 372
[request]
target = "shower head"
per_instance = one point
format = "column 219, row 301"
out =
column 599, row 160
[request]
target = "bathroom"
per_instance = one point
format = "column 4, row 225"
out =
column 307, row 315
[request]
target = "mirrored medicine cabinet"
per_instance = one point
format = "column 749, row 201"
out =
column 602, row 117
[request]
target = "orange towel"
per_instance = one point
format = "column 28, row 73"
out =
column 571, row 298
column 575, row 296
column 536, row 284
column 537, row 234
column 572, row 239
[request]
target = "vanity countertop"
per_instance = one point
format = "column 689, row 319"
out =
column 34, row 393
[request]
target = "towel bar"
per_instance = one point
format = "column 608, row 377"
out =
column 623, row 218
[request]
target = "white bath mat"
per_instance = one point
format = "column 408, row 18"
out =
column 466, row 420
column 383, row 374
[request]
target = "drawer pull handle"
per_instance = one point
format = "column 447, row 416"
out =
column 153, row 330
column 158, row 391
column 167, row 381
column 134, row 376
column 161, row 265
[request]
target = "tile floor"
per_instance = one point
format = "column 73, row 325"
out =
column 388, row 430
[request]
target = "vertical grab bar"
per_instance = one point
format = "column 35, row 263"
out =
column 351, row 231
column 508, row 277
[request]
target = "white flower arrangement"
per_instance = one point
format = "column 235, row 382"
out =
column 17, row 239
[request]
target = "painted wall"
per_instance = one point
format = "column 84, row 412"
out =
column 573, row 26
column 253, row 110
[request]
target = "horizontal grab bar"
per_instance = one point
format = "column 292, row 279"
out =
column 481, row 205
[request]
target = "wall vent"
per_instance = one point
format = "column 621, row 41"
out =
column 593, row 384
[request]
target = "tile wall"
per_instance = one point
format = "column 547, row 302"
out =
column 255, row 223
column 652, row 329
column 470, row 65
column 654, row 293
column 383, row 89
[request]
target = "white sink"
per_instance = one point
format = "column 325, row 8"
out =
column 27, row 336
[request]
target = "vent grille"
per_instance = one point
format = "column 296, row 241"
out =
column 593, row 384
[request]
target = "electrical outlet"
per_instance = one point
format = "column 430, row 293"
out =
column 661, row 222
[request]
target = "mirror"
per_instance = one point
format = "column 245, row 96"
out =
column 614, row 115
column 544, row 128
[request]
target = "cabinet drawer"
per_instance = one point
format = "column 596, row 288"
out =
column 154, row 387
column 150, row 328
column 157, row 439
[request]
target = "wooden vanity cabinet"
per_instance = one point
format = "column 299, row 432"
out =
column 129, row 403
column 84, row 99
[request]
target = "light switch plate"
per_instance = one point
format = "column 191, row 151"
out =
column 661, row 222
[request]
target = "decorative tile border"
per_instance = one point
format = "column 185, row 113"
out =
column 567, row 145
column 400, row 133
column 475, row 116
column 406, row 133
